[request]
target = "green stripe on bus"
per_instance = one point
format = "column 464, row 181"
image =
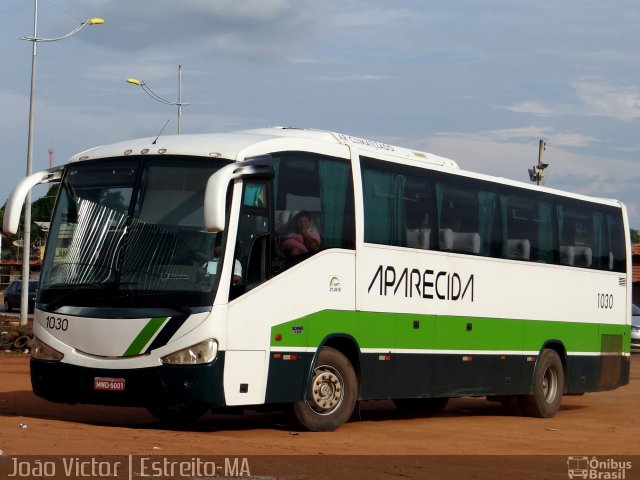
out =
column 144, row 336
column 431, row 332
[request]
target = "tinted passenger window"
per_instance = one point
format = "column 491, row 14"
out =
column 399, row 205
column 313, row 203
column 427, row 209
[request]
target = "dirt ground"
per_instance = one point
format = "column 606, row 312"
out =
column 601, row 424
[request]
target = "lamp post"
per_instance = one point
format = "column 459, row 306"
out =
column 24, row 295
column 155, row 96
column 536, row 173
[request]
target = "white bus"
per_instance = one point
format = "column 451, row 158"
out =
column 288, row 267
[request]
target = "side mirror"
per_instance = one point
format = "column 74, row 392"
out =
column 15, row 202
column 215, row 195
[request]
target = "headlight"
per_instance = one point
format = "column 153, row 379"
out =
column 42, row 351
column 203, row 352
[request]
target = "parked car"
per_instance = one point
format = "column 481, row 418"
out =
column 12, row 295
column 635, row 326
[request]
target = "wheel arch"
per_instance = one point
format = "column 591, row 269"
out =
column 345, row 344
column 557, row 346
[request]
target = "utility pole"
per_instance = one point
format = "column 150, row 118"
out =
column 536, row 173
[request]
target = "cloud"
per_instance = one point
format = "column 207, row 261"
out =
column 366, row 77
column 360, row 16
column 245, row 28
column 598, row 99
column 529, row 136
column 509, row 156
column 505, row 153
column 145, row 67
column 592, row 98
column 535, row 108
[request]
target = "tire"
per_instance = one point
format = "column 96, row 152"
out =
column 548, row 386
column 331, row 394
column 178, row 414
column 7, row 306
column 21, row 343
column 425, row 406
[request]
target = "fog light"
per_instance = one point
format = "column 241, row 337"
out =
column 203, row 352
column 42, row 351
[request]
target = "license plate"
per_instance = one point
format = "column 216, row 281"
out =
column 108, row 383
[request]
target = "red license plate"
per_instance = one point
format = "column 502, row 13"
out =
column 108, row 383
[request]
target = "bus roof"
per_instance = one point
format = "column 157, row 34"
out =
column 240, row 145
column 244, row 144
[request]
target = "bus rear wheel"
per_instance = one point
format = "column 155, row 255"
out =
column 331, row 394
column 548, row 386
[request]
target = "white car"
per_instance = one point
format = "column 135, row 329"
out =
column 635, row 326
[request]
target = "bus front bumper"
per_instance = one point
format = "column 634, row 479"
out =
column 166, row 385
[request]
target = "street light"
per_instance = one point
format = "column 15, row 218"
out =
column 536, row 173
column 24, row 295
column 155, row 96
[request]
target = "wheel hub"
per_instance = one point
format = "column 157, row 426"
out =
column 550, row 385
column 326, row 392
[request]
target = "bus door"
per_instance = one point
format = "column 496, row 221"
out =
column 247, row 329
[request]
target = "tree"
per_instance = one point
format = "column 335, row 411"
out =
column 635, row 236
column 41, row 211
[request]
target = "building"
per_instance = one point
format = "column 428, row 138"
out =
column 11, row 268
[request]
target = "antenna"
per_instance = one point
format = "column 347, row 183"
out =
column 162, row 130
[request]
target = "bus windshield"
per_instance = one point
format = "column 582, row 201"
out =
column 128, row 233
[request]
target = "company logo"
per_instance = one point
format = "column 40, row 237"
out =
column 365, row 142
column 426, row 283
column 334, row 285
column 174, row 276
column 597, row 469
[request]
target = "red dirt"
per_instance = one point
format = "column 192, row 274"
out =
column 601, row 424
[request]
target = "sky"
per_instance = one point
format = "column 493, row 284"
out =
column 478, row 82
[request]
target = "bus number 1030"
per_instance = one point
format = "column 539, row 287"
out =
column 57, row 323
column 605, row 300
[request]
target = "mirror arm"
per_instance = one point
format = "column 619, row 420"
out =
column 215, row 197
column 15, row 202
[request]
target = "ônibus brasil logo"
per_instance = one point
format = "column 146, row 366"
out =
column 596, row 468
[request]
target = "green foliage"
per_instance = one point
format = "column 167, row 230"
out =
column 41, row 211
column 635, row 236
column 42, row 208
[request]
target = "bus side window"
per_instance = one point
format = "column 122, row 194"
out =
column 313, row 207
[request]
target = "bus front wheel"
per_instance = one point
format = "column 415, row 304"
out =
column 331, row 394
column 548, row 386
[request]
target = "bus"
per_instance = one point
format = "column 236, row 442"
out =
column 307, row 270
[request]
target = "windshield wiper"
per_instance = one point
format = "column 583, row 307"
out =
column 160, row 300
column 57, row 302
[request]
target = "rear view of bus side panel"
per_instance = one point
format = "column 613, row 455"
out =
column 507, row 271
